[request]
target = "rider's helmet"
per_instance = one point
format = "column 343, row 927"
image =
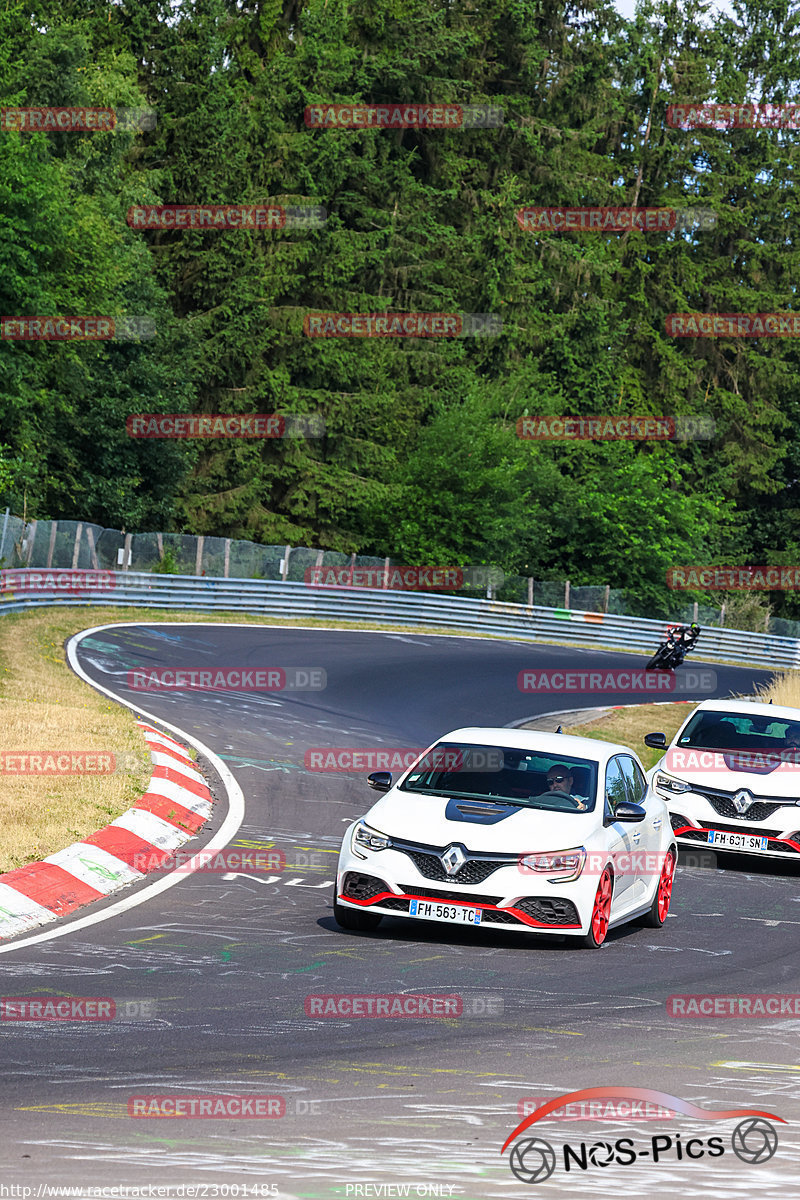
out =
column 695, row 628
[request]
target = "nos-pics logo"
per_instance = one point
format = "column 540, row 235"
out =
column 533, row 1159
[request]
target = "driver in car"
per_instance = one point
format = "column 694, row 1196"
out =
column 559, row 779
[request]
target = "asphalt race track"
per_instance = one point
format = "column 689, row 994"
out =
column 228, row 958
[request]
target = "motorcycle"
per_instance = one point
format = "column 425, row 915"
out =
column 672, row 650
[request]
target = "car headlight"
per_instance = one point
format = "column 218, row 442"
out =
column 668, row 784
column 369, row 839
column 562, row 865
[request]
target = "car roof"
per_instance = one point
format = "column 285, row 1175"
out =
column 745, row 708
column 533, row 739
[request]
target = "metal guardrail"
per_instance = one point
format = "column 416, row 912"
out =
column 383, row 607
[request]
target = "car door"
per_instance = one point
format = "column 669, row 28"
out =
column 645, row 839
column 618, row 834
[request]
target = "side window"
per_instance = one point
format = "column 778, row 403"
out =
column 615, row 785
column 637, row 784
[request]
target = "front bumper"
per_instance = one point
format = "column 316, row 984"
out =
column 691, row 817
column 386, row 881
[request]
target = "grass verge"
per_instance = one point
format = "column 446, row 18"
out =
column 629, row 725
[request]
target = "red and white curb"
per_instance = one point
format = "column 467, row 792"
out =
column 174, row 808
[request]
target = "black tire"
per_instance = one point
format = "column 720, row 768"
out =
column 354, row 918
column 654, row 661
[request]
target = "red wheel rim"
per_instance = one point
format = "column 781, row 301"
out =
column 602, row 908
column 665, row 886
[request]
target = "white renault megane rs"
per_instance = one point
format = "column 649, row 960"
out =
column 539, row 832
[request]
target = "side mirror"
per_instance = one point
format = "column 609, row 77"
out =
column 380, row 781
column 630, row 813
column 657, row 741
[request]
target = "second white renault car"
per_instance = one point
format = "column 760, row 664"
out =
column 506, row 828
column 731, row 778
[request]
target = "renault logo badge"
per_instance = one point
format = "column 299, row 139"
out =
column 742, row 801
column 453, row 859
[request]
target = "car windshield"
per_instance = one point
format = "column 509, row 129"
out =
column 528, row 778
column 733, row 731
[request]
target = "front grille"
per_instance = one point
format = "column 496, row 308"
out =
column 362, row 887
column 549, row 912
column 759, row 811
column 459, row 897
column 500, row 918
column 396, row 902
column 475, row 870
column 676, row 820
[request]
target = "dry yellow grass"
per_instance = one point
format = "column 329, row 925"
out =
column 629, row 725
column 784, row 688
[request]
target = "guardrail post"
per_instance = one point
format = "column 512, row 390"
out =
column 694, row 614
column 530, row 591
column 385, row 582
column 722, row 616
column 607, row 597
column 198, row 558
column 227, row 557
column 52, row 546
column 126, row 562
column 3, row 538
column 77, row 547
column 566, row 593
column 285, row 564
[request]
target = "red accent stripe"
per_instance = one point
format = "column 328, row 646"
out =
column 176, row 814
column 523, row 917
column 135, row 851
column 51, row 886
column 191, row 785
